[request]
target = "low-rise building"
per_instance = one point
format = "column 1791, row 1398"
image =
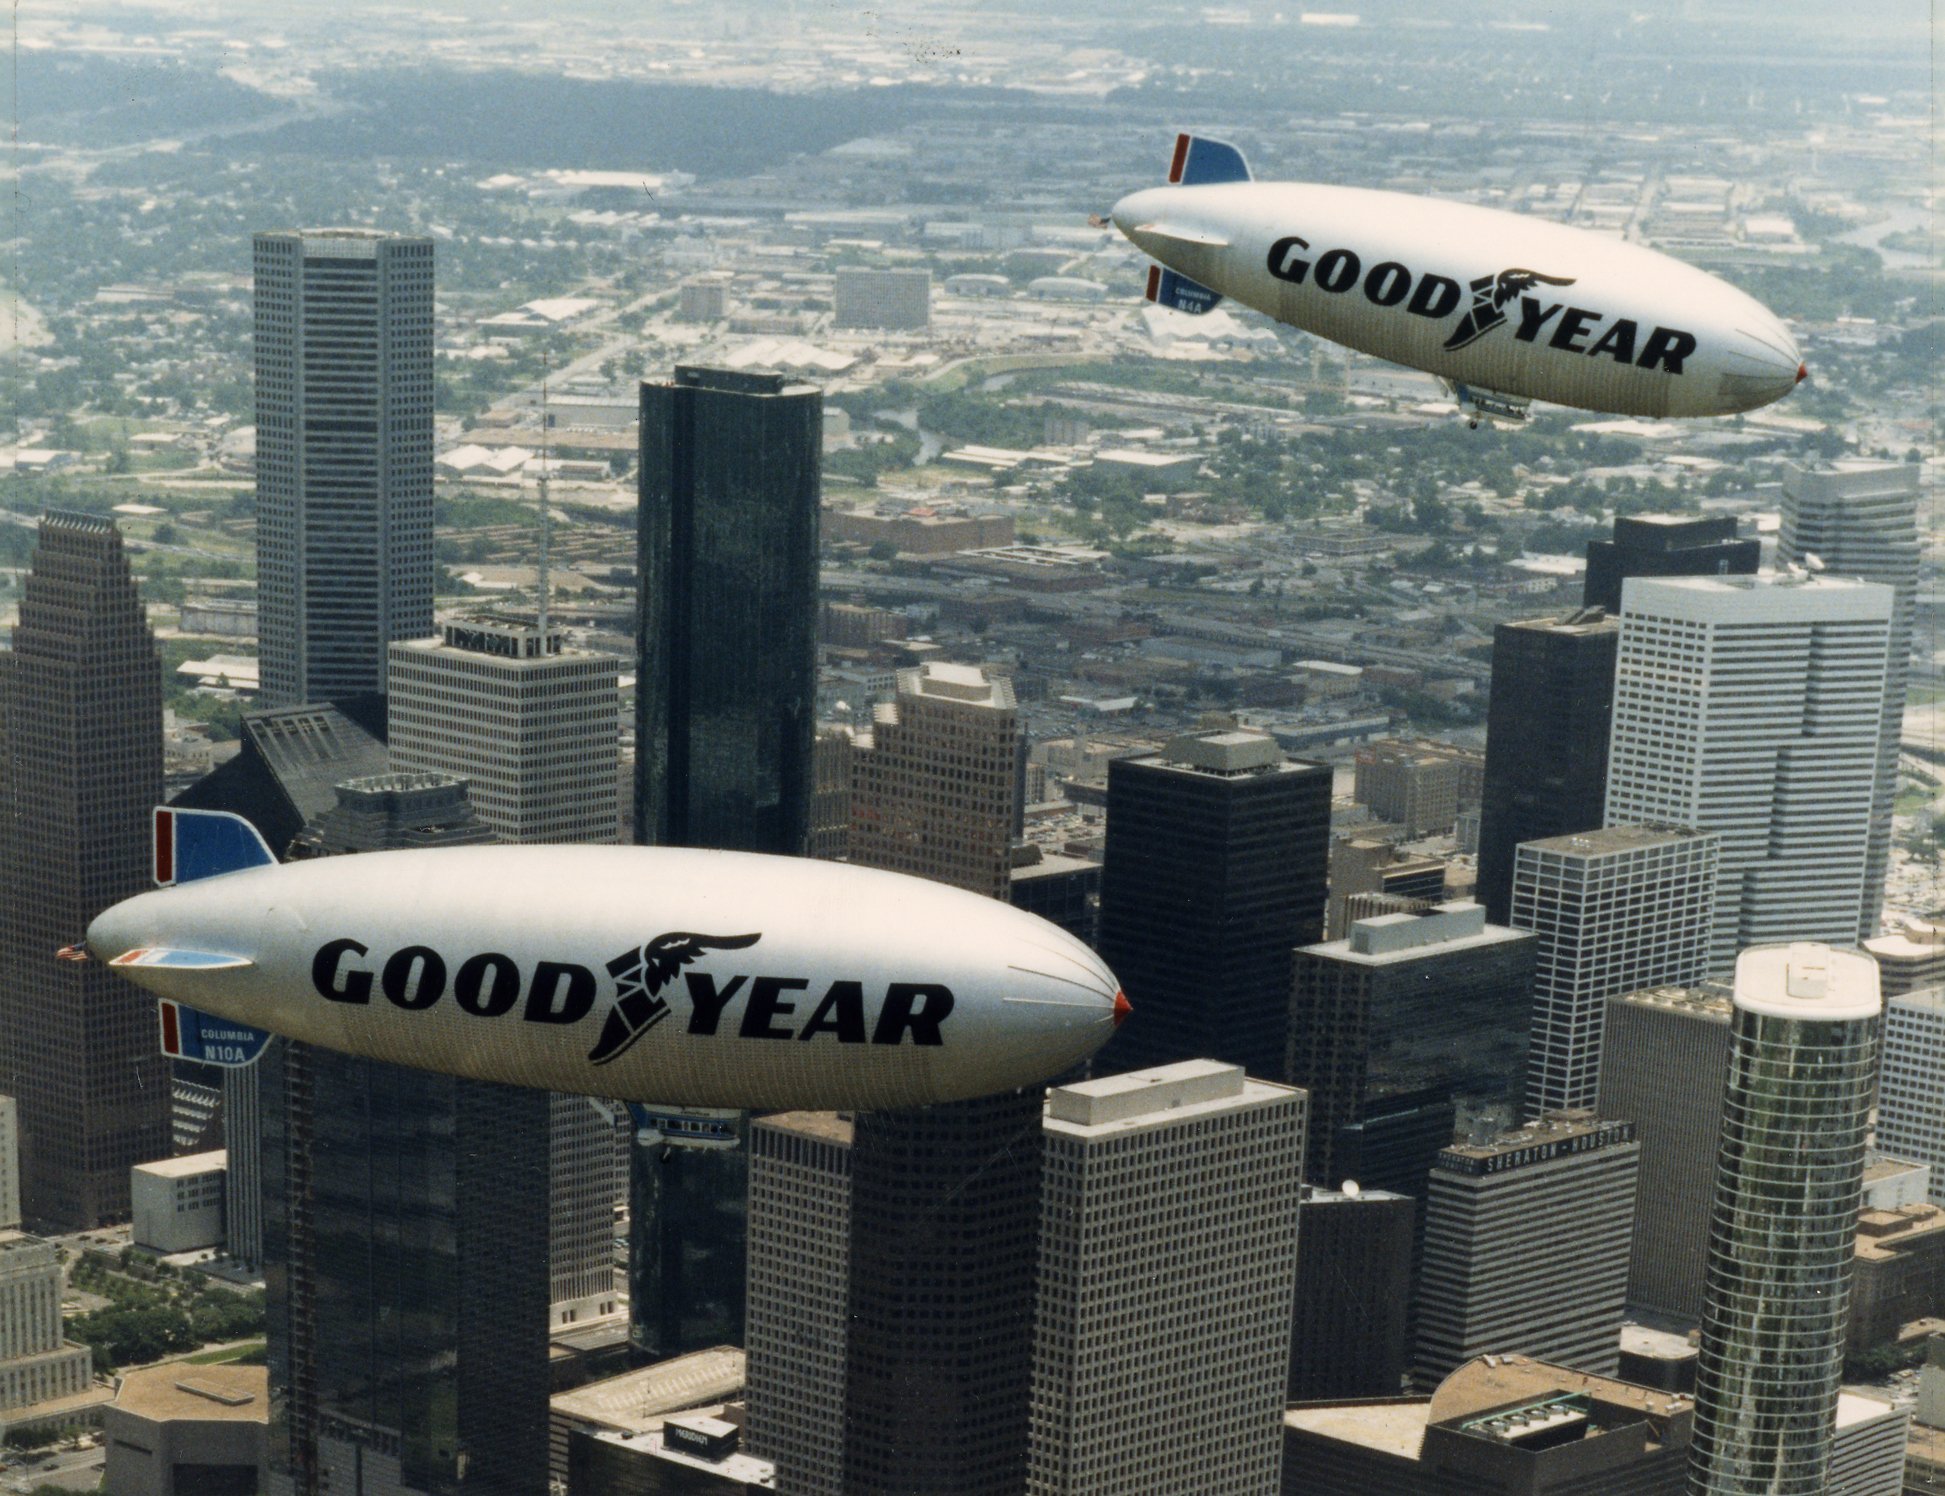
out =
column 1898, row 1274
column 181, row 1430
column 178, row 1202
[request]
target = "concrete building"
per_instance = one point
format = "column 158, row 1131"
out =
column 907, row 813
column 178, row 1202
column 895, row 300
column 1216, row 868
column 1547, row 724
column 800, row 1260
column 1897, row 1275
column 1909, row 958
column 636, row 1404
column 1664, row 1067
column 39, row 1367
column 1490, row 1284
column 531, row 724
column 343, row 338
column 705, row 299
column 1751, row 707
column 188, row 1431
column 1789, row 1175
column 1421, row 785
column 1860, row 519
column 1497, row 1426
column 1911, row 1094
column 1396, row 1027
column 695, row 1454
column 1367, row 865
column 1867, row 1447
column 920, row 534
column 9, row 1164
column 1613, row 911
column 80, row 770
column 1063, row 890
column 1168, row 1250
column 1350, row 1336
column 1665, row 545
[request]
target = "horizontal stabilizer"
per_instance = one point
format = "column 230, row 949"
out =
column 1176, row 235
column 156, row 955
column 188, row 1034
column 192, row 844
column 1199, row 162
column 1172, row 289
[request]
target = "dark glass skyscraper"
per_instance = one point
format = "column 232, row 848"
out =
column 725, row 712
column 343, row 337
column 1546, row 739
column 80, row 769
column 1665, row 545
column 1217, row 868
column 727, row 672
column 405, row 1241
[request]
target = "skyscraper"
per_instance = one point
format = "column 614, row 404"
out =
column 1395, row 1026
column 1751, row 707
column 1664, row 1062
column 344, row 457
column 800, row 1289
column 1350, row 1335
column 405, row 1241
column 1526, row 1247
column 1911, row 1082
column 725, row 712
column 1789, row 1176
column 81, row 703
column 1168, row 1255
column 1665, row 545
column 726, row 682
column 1614, row 911
column 1216, row 868
column 9, row 1164
column 1860, row 519
column 1547, row 727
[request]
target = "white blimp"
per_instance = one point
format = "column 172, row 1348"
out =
column 665, row 975
column 1503, row 308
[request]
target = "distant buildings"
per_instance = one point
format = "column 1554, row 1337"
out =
column 1751, row 707
column 343, row 338
column 1789, row 1174
column 895, row 300
column 1911, row 1082
column 1665, row 545
column 1664, row 1066
column 1350, row 1336
column 80, row 770
column 1167, row 1263
column 1858, row 519
column 1420, row 785
column 1397, row 1025
column 1495, row 1280
column 1615, row 911
column 1216, row 867
column 1910, row 958
column 1547, row 727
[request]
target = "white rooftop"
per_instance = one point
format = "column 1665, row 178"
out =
column 1807, row 980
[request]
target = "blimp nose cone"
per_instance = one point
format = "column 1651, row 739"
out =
column 117, row 930
column 1136, row 209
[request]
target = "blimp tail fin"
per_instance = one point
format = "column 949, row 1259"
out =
column 1200, row 162
column 189, row 1034
column 1170, row 288
column 192, row 844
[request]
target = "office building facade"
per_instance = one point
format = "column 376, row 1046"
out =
column 1168, row 1253
column 895, row 300
column 1911, row 1082
column 9, row 1164
column 1490, row 1283
column 1547, row 723
column 1751, row 707
column 1350, row 1335
column 343, row 338
column 1420, row 785
column 1860, row 519
column 1665, row 545
column 1789, row 1177
column 38, row 1363
column 1396, row 1026
column 81, row 735
column 1216, row 869
column 1664, row 1064
column 1615, row 910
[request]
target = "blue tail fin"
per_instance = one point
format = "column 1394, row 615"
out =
column 188, row 1034
column 1199, row 162
column 192, row 844
column 1170, row 288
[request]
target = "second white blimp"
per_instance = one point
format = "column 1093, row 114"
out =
column 1502, row 307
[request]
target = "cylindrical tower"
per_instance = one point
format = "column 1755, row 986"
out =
column 1789, row 1176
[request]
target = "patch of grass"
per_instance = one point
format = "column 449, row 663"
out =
column 226, row 1356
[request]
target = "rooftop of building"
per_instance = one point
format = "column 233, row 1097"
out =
column 188, row 1166
column 1052, row 865
column 825, row 1127
column 640, row 1401
column 1646, row 1340
column 749, row 1470
column 1918, row 940
column 1582, row 621
column 1807, row 981
column 1884, row 1234
column 1855, row 1406
column 1391, row 939
column 945, row 681
column 1549, row 1133
column 209, row 1394
column 1609, row 840
column 1710, row 1000
column 1170, row 1094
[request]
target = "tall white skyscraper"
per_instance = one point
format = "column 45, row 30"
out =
column 1751, row 707
column 1789, row 1180
column 1860, row 519
column 1911, row 1083
column 1614, row 911
column 344, row 457
column 1168, row 1235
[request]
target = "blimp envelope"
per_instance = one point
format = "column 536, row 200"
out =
column 667, row 975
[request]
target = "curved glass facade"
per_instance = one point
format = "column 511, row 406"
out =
column 1788, row 1180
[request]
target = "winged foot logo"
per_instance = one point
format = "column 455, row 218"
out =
column 491, row 984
